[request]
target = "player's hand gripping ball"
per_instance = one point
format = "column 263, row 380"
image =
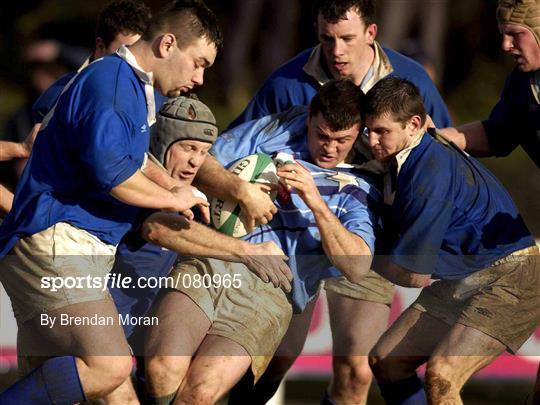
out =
column 227, row 216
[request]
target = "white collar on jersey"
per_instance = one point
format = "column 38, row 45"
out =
column 380, row 68
column 146, row 77
column 125, row 53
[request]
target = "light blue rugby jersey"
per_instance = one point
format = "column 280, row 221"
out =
column 349, row 194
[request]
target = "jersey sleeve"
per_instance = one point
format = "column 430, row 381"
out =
column 361, row 215
column 133, row 240
column 422, row 225
column 264, row 135
column 104, row 148
column 237, row 142
column 503, row 122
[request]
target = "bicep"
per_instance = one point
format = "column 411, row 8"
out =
column 105, row 150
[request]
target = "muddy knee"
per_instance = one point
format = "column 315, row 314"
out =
column 439, row 382
column 198, row 391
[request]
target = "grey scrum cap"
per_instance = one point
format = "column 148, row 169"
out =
column 179, row 119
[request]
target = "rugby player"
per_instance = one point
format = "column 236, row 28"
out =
column 79, row 195
column 455, row 223
column 326, row 227
column 515, row 119
column 184, row 132
column 518, row 110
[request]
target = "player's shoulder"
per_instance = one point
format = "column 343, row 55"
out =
column 283, row 127
column 430, row 166
column 291, row 74
column 54, row 90
column 59, row 84
column 400, row 61
column 287, row 86
column 292, row 115
column 108, row 71
column 109, row 80
column 407, row 68
column 426, row 153
column 293, row 67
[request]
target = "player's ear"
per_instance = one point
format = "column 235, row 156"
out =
column 415, row 123
column 166, row 45
column 371, row 33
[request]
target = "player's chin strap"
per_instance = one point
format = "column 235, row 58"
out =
column 439, row 137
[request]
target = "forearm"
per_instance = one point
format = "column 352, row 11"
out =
column 12, row 150
column 400, row 276
column 140, row 191
column 213, row 179
column 185, row 237
column 6, row 200
column 346, row 251
column 158, row 174
column 470, row 137
column 16, row 150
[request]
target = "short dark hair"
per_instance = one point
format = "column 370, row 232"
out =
column 335, row 10
column 340, row 103
column 397, row 97
column 188, row 20
column 122, row 16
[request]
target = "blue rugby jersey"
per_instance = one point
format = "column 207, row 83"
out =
column 453, row 217
column 96, row 139
column 515, row 119
column 290, row 85
column 46, row 101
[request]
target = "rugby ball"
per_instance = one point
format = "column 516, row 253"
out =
column 227, row 216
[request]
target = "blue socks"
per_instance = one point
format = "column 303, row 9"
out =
column 54, row 382
column 408, row 391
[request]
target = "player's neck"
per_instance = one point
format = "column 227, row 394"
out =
column 142, row 51
column 364, row 66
